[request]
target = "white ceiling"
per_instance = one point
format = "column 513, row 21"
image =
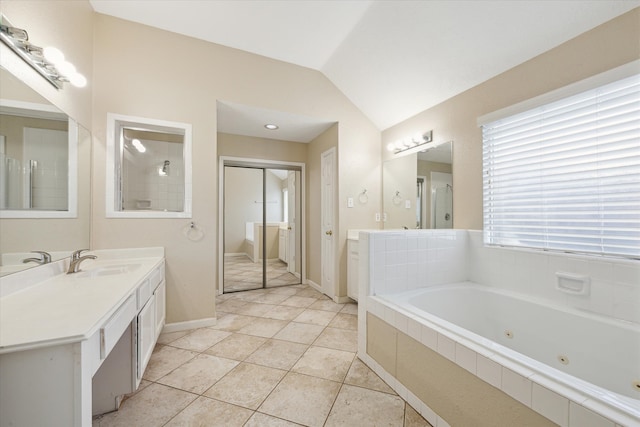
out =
column 392, row 59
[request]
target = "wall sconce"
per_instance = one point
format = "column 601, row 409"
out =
column 409, row 143
column 49, row 62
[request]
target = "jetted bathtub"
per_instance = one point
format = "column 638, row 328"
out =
column 596, row 358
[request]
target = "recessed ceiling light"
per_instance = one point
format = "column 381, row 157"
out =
column 271, row 126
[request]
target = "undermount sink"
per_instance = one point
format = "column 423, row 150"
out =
column 109, row 270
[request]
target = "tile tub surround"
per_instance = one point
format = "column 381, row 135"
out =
column 301, row 369
column 394, row 257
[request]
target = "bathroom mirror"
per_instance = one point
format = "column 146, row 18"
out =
column 45, row 159
column 148, row 168
column 417, row 189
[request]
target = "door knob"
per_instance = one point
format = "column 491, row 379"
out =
column 329, row 233
column 288, row 228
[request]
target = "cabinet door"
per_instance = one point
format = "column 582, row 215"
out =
column 146, row 334
column 352, row 269
column 161, row 298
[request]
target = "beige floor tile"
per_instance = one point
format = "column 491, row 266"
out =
column 165, row 359
column 255, row 309
column 205, row 412
column 324, row 363
column 198, row 374
column 310, row 293
column 291, row 399
column 232, row 322
column 315, row 317
column 230, row 305
column 413, row 419
column 361, row 375
column 236, row 346
column 350, row 308
column 266, row 328
column 272, row 298
column 284, row 290
column 326, row 305
column 200, row 339
column 151, row 407
column 340, row 339
column 296, row 301
column 303, row 333
column 166, row 338
column 277, row 354
column 282, row 312
column 264, row 420
column 357, row 406
column 247, row 385
column 345, row 321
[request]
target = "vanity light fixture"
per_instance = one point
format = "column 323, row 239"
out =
column 409, row 143
column 49, row 62
column 271, row 126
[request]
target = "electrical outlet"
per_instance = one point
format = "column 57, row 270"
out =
column 384, row 217
column 377, row 216
column 350, row 202
column 407, row 204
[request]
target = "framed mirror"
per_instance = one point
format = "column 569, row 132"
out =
column 45, row 159
column 417, row 189
column 148, row 168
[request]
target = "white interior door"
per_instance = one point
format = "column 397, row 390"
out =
column 328, row 167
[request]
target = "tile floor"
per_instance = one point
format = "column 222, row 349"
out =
column 241, row 274
column 277, row 357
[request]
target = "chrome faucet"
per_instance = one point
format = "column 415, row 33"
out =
column 76, row 259
column 45, row 258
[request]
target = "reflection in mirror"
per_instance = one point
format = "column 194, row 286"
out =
column 418, row 189
column 149, row 168
column 44, row 179
column 262, row 233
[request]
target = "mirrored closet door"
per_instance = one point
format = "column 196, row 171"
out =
column 262, row 234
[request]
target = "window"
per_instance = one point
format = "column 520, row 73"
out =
column 566, row 175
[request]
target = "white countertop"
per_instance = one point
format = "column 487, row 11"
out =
column 67, row 308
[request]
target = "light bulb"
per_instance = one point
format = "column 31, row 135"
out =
column 66, row 68
column 78, row 80
column 53, row 54
column 391, row 146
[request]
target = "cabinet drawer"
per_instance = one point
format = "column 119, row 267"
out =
column 144, row 293
column 111, row 332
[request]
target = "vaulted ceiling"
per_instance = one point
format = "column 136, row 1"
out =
column 392, row 59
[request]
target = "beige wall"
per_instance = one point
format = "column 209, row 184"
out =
column 605, row 47
column 146, row 72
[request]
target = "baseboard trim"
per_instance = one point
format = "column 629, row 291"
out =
column 342, row 300
column 314, row 285
column 189, row 324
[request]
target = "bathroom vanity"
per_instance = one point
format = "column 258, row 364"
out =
column 72, row 344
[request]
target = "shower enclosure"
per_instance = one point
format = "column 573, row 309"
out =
column 441, row 200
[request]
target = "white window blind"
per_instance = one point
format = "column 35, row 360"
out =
column 566, row 175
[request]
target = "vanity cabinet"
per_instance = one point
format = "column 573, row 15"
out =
column 150, row 321
column 353, row 256
column 73, row 345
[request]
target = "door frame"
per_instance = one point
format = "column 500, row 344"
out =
column 258, row 163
